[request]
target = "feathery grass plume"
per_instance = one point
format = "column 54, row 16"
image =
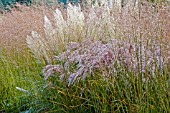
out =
column 60, row 24
column 75, row 21
column 92, row 24
column 90, row 57
column 50, row 34
column 47, row 26
column 118, row 4
column 38, row 47
column 131, row 5
column 102, row 24
column 51, row 69
column 74, row 16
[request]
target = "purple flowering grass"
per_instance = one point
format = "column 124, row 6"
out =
column 89, row 56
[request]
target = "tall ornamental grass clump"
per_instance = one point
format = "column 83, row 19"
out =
column 105, row 60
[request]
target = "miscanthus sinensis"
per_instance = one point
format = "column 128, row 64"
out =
column 98, row 24
column 38, row 46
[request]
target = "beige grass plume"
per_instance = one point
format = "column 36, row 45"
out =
column 60, row 24
column 38, row 47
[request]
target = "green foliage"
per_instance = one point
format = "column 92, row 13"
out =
column 6, row 4
column 17, row 69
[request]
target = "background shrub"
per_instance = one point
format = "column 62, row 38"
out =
column 5, row 3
